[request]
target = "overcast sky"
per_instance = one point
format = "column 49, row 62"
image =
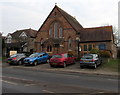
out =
column 24, row 14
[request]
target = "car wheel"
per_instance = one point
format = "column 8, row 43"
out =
column 10, row 63
column 64, row 64
column 74, row 62
column 95, row 66
column 51, row 66
column 81, row 67
column 20, row 62
column 35, row 63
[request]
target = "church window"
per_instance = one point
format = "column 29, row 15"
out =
column 56, row 30
column 69, row 43
column 60, row 32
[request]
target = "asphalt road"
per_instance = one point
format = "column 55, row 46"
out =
column 17, row 80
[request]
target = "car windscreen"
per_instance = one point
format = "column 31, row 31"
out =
column 34, row 55
column 87, row 57
column 57, row 56
column 15, row 55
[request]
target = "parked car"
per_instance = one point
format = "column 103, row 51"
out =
column 90, row 60
column 36, row 58
column 16, row 59
column 61, row 60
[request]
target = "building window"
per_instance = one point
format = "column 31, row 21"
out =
column 89, row 47
column 102, row 47
column 41, row 41
column 41, row 44
column 50, row 32
column 69, row 43
column 49, row 48
column 85, row 47
column 60, row 32
column 9, row 40
column 56, row 30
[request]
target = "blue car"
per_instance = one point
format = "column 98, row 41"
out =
column 36, row 58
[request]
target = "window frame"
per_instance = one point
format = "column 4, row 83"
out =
column 60, row 32
column 55, row 30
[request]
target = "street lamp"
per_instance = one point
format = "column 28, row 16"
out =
column 78, row 40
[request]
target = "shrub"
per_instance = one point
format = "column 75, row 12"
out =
column 72, row 53
column 95, row 51
column 105, row 53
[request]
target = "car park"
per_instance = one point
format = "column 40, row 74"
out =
column 16, row 59
column 36, row 58
column 90, row 60
column 63, row 60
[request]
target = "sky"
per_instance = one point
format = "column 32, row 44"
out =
column 25, row 14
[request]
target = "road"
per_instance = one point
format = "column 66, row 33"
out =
column 17, row 80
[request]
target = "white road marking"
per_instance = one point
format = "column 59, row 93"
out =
column 112, row 79
column 29, row 84
column 47, row 91
column 16, row 78
column 101, row 92
column 9, row 82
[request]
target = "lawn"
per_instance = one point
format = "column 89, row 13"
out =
column 2, row 58
column 111, row 65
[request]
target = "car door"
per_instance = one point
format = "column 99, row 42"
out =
column 44, row 57
column 69, row 59
column 40, row 58
column 66, row 58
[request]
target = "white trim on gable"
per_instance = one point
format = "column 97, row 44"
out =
column 23, row 34
column 9, row 36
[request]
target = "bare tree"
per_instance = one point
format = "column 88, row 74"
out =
column 116, row 36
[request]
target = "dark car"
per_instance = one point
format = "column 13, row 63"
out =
column 36, row 58
column 90, row 60
column 16, row 59
column 63, row 60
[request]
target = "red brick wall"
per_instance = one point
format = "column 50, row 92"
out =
column 68, row 31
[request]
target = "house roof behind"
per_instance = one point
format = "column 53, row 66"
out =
column 28, row 32
column 96, row 34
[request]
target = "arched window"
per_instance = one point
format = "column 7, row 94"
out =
column 50, row 32
column 69, row 43
column 41, row 44
column 60, row 32
column 56, row 30
column 41, row 41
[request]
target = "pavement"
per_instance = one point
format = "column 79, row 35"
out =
column 74, row 68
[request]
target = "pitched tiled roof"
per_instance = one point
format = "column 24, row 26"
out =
column 96, row 34
column 28, row 32
column 53, row 40
column 72, row 21
column 15, row 45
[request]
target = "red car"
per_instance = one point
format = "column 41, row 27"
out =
column 63, row 60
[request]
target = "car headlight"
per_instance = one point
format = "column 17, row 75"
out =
column 30, row 60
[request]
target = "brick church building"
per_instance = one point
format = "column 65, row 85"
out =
column 61, row 33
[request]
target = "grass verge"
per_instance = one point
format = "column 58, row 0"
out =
column 112, row 65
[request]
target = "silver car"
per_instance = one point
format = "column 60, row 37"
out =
column 16, row 59
column 90, row 60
